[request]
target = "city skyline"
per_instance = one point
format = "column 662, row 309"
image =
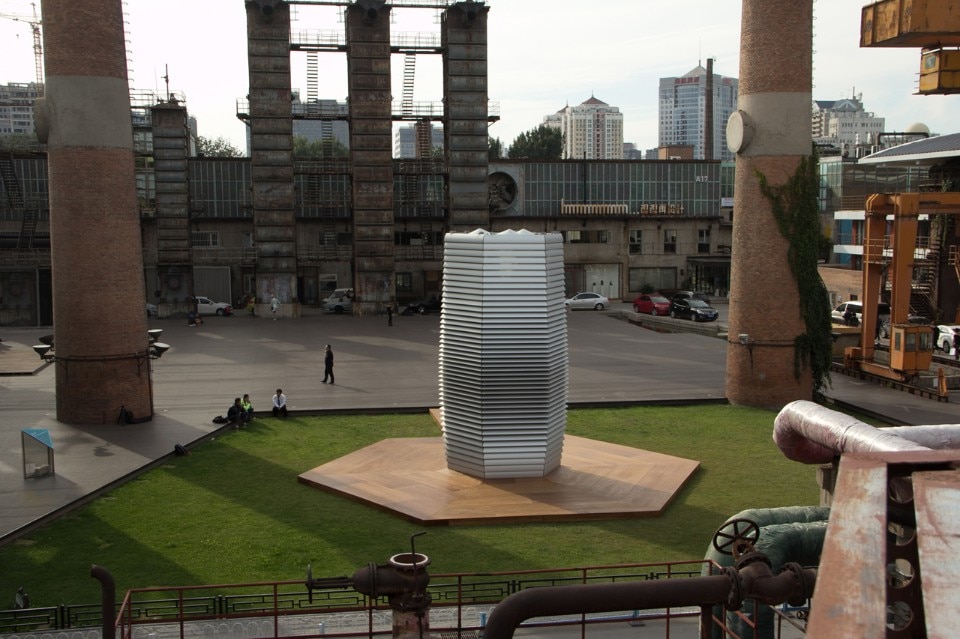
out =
column 539, row 61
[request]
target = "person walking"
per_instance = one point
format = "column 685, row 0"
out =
column 956, row 344
column 389, row 313
column 279, row 404
column 274, row 306
column 327, row 364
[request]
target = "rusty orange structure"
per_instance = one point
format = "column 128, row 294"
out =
column 911, row 345
column 932, row 25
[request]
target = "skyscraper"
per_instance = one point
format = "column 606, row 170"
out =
column 683, row 110
column 592, row 130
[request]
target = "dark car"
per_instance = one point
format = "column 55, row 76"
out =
column 696, row 295
column 692, row 308
column 423, row 307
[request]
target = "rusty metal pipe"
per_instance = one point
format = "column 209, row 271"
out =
column 556, row 600
column 809, row 433
column 793, row 584
column 108, row 600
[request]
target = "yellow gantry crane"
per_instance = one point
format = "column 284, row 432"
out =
column 34, row 22
column 932, row 25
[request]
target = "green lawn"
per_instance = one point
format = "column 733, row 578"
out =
column 233, row 511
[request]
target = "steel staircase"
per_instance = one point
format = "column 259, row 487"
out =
column 409, row 72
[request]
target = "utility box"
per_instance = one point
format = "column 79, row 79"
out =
column 910, row 23
column 37, row 452
column 940, row 71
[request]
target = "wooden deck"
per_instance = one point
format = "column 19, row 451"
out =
column 596, row 480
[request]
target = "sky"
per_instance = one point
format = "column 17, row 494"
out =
column 541, row 58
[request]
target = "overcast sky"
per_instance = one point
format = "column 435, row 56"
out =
column 542, row 56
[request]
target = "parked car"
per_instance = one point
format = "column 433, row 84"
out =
column 206, row 306
column 692, row 308
column 856, row 308
column 151, row 310
column 587, row 301
column 340, row 301
column 426, row 306
column 697, row 295
column 652, row 304
column 945, row 337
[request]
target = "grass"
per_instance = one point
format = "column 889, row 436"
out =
column 233, row 511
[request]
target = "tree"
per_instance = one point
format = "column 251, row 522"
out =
column 496, row 148
column 304, row 149
column 19, row 142
column 219, row 148
column 542, row 143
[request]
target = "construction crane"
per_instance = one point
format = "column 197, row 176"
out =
column 34, row 22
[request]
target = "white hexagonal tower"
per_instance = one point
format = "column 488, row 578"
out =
column 503, row 353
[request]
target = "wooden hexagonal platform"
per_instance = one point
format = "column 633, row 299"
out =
column 596, row 480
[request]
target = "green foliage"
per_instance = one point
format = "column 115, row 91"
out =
column 496, row 148
column 796, row 208
column 233, row 511
column 304, row 149
column 22, row 142
column 218, row 148
column 542, row 143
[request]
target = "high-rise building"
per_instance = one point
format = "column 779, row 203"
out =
column 844, row 122
column 16, row 107
column 592, row 130
column 321, row 120
column 683, row 111
column 409, row 140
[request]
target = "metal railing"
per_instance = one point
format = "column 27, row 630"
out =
column 433, row 110
column 460, row 605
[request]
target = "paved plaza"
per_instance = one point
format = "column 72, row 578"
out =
column 379, row 368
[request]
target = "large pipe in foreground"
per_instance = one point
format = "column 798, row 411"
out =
column 560, row 600
column 108, row 598
column 752, row 578
column 812, row 434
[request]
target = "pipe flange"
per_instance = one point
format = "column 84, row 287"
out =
column 752, row 557
column 803, row 589
column 735, row 596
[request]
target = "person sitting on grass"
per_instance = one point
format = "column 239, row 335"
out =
column 247, row 407
column 236, row 415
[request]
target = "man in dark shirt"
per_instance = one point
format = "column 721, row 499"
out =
column 236, row 415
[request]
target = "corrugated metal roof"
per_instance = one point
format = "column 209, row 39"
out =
column 926, row 151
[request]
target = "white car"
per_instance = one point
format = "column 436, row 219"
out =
column 206, row 306
column 945, row 337
column 883, row 315
column 152, row 310
column 587, row 301
column 340, row 301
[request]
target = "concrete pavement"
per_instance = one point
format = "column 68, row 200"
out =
column 378, row 369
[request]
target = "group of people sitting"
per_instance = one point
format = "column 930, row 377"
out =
column 241, row 411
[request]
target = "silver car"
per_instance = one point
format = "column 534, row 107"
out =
column 587, row 301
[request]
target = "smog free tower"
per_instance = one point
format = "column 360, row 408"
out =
column 503, row 353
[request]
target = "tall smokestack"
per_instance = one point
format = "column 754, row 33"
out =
column 100, row 327
column 770, row 134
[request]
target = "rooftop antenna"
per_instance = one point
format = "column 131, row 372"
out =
column 166, row 79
